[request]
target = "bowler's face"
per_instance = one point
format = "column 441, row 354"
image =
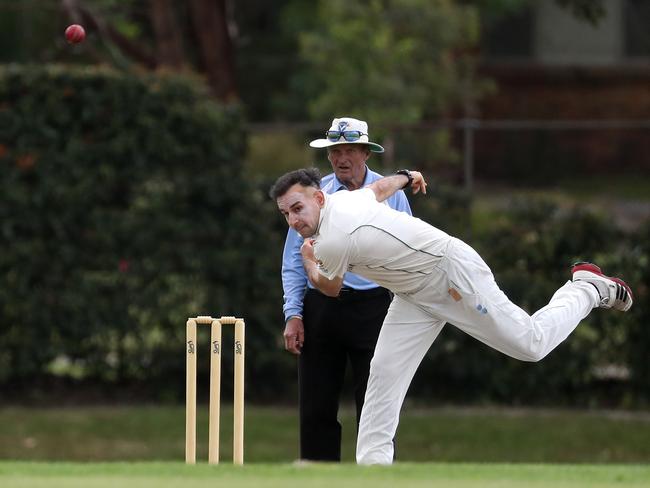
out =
column 301, row 208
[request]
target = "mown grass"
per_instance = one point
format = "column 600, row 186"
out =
column 174, row 474
column 153, row 433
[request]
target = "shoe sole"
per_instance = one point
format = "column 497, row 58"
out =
column 592, row 268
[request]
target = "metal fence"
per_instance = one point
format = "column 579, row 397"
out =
column 464, row 150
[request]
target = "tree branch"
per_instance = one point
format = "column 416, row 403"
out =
column 82, row 15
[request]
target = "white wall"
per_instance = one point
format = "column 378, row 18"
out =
column 561, row 39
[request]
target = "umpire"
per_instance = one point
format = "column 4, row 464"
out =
column 326, row 332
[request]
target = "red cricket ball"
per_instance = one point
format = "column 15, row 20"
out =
column 75, row 34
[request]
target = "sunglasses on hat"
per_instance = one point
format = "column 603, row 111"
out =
column 348, row 135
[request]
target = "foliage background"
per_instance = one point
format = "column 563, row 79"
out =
column 124, row 211
column 133, row 196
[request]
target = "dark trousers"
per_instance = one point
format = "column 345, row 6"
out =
column 336, row 330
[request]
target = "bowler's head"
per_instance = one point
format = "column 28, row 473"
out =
column 300, row 199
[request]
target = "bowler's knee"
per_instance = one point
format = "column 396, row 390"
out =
column 532, row 355
column 382, row 368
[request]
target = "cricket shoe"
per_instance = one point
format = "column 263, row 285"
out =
column 614, row 292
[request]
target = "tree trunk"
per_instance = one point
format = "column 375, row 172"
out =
column 215, row 46
column 167, row 32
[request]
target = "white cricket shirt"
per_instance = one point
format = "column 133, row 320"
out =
column 358, row 234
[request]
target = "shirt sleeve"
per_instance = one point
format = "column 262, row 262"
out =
column 366, row 193
column 294, row 278
column 398, row 201
column 333, row 255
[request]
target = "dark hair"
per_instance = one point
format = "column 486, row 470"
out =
column 304, row 177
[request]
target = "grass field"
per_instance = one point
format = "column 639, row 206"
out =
column 142, row 446
column 150, row 433
column 174, row 474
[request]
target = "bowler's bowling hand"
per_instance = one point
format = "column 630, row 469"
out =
column 418, row 182
column 307, row 250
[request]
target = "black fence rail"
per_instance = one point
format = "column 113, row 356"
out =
column 461, row 151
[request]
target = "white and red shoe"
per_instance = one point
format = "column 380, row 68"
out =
column 614, row 292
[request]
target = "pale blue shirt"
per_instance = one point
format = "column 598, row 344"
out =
column 294, row 278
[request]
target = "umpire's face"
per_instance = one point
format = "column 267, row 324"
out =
column 301, row 206
column 349, row 163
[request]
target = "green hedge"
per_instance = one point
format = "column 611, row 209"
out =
column 124, row 211
column 530, row 247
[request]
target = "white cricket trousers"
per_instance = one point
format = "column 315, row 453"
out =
column 464, row 294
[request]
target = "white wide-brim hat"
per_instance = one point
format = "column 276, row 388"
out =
column 348, row 124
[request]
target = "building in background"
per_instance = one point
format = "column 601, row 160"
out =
column 550, row 65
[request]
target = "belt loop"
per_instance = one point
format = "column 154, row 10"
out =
column 347, row 293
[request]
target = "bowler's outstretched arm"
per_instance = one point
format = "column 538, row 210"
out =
column 388, row 185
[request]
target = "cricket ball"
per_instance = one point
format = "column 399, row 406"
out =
column 74, row 34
